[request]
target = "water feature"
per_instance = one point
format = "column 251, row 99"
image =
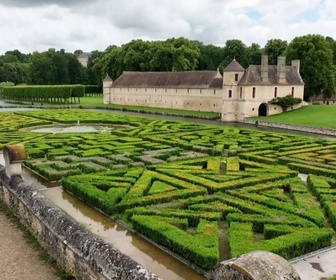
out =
column 126, row 241
column 57, row 128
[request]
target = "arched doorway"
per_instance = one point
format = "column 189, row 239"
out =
column 262, row 110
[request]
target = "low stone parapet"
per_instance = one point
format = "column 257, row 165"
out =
column 308, row 129
column 258, row 265
column 79, row 252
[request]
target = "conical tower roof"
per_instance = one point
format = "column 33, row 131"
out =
column 234, row 66
column 107, row 78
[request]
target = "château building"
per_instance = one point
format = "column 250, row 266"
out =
column 237, row 94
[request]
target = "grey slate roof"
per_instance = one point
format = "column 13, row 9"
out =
column 234, row 66
column 252, row 76
column 185, row 79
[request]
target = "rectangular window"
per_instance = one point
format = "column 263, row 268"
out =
column 241, row 92
column 292, row 91
column 230, row 93
column 253, row 92
column 275, row 92
column 236, row 77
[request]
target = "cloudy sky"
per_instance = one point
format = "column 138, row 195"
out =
column 37, row 25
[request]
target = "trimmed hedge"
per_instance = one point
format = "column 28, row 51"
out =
column 201, row 248
column 49, row 94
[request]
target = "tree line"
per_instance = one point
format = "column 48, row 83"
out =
column 316, row 53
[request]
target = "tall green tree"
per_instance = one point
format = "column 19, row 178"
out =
column 317, row 68
column 185, row 54
column 275, row 48
column 210, row 57
column 235, row 49
column 332, row 44
column 254, row 53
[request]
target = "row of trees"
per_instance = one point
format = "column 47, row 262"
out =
column 316, row 53
column 43, row 68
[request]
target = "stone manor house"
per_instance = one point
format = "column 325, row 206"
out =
column 238, row 94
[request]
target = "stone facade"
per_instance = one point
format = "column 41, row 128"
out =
column 238, row 94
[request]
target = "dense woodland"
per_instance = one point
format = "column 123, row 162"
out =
column 317, row 55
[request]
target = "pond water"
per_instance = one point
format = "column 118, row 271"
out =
column 145, row 253
column 74, row 128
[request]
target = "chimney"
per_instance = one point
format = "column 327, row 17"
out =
column 281, row 70
column 296, row 63
column 264, row 69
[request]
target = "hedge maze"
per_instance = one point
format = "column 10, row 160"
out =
column 163, row 179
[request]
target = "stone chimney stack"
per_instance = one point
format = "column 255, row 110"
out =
column 281, row 71
column 264, row 69
column 296, row 63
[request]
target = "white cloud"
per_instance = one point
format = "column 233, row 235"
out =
column 90, row 25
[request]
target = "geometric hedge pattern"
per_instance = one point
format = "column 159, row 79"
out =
column 163, row 179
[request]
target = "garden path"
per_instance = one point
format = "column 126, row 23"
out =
column 18, row 259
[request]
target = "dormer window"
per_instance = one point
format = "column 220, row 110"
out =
column 236, row 77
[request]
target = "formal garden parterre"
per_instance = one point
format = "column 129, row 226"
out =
column 166, row 180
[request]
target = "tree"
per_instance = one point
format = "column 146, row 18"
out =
column 254, row 53
column 42, row 69
column 210, row 57
column 316, row 59
column 332, row 44
column 93, row 77
column 161, row 56
column 185, row 54
column 275, row 48
column 235, row 49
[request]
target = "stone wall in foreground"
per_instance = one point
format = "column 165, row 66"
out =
column 80, row 253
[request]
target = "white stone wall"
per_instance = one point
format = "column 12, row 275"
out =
column 209, row 100
column 239, row 105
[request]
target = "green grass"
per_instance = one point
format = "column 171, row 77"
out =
column 332, row 278
column 32, row 241
column 323, row 116
column 98, row 102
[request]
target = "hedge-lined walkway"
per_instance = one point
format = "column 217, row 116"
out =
column 19, row 260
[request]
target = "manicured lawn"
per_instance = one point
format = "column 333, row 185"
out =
column 98, row 101
column 323, row 116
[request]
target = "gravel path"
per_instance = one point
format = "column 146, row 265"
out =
column 19, row 260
